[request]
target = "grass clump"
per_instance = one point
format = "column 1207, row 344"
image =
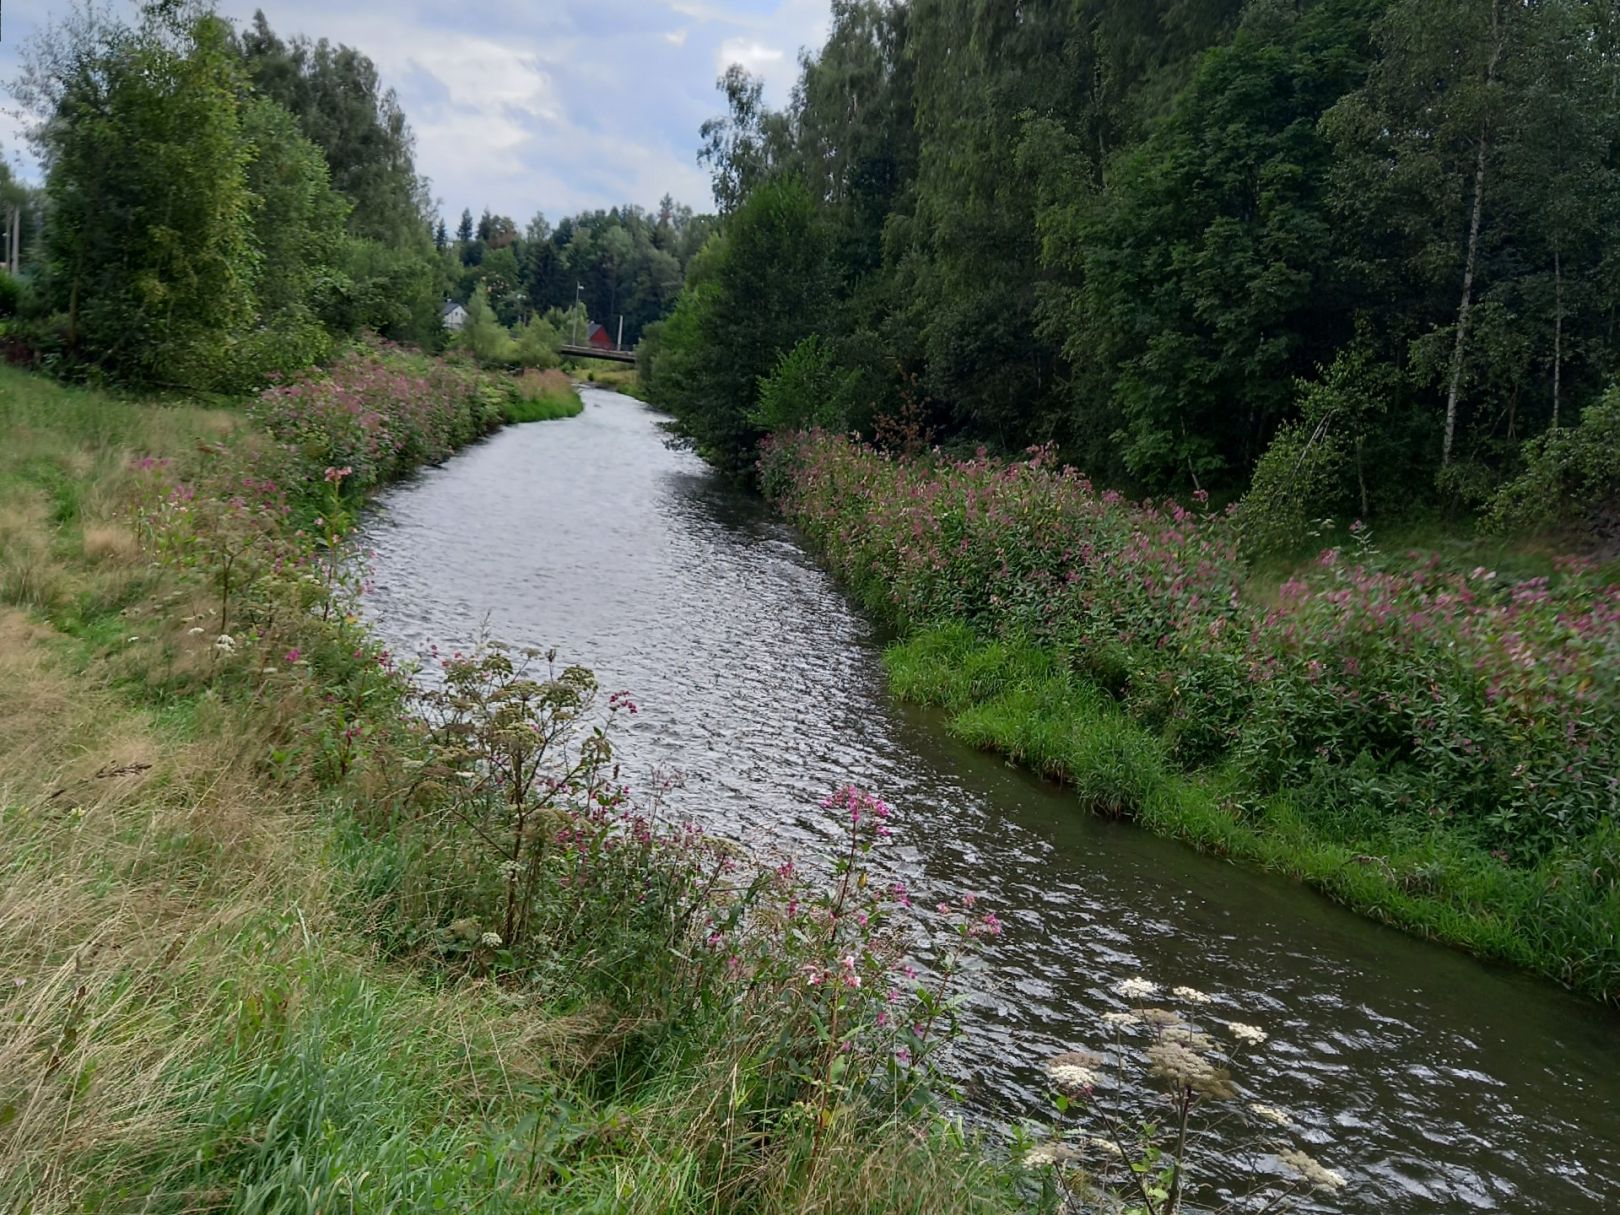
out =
column 278, row 935
column 543, row 396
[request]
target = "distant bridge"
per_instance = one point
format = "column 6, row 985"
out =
column 596, row 352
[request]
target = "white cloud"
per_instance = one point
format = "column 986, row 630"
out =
column 550, row 105
column 752, row 54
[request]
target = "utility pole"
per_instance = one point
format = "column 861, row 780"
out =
column 14, row 240
column 578, row 289
column 619, row 345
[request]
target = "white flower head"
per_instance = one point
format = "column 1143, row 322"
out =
column 1074, row 1072
column 195, row 630
column 1190, row 994
column 1251, row 1035
column 1270, row 1113
column 1072, row 1076
column 225, row 643
column 1136, row 988
column 1120, row 1020
column 490, row 940
column 1313, row 1170
column 1050, row 1152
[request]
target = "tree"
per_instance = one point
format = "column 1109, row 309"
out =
column 298, row 236
column 464, row 230
column 483, row 334
column 337, row 97
column 765, row 287
column 149, row 244
column 742, row 146
column 1193, row 291
column 441, row 236
column 1417, row 147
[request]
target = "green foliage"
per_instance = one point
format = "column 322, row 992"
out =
column 538, row 344
column 149, row 245
column 805, row 390
column 338, row 100
column 756, row 294
column 11, row 295
column 1572, row 477
column 1131, row 229
column 1319, row 465
column 484, row 335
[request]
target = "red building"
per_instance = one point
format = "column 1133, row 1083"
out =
column 598, row 337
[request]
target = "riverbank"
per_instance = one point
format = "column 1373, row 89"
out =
column 545, row 396
column 1435, row 749
column 259, row 947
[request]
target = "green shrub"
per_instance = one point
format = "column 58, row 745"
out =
column 1572, row 476
column 11, row 295
column 804, row 391
column 538, row 344
column 484, row 335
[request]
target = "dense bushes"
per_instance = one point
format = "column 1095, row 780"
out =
column 1390, row 706
column 379, row 417
column 1572, row 478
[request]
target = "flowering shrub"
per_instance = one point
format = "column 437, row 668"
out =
column 555, row 875
column 259, row 523
column 380, row 417
column 1109, row 1159
column 1418, row 696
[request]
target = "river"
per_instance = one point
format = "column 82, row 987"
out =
column 1435, row 1083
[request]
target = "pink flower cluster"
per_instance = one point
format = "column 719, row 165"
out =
column 1418, row 691
column 373, row 417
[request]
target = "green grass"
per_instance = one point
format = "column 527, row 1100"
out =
column 219, row 1006
column 1560, row 918
column 543, row 396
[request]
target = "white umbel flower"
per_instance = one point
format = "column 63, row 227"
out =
column 1251, row 1035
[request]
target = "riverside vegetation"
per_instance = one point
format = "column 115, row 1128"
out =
column 284, row 934
column 1437, row 748
column 1312, row 262
column 288, row 931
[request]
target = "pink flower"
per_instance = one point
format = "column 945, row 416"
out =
column 293, row 655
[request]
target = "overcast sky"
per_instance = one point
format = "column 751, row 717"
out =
column 549, row 105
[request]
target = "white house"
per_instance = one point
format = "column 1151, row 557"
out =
column 452, row 316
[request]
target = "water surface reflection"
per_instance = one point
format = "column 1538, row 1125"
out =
column 1436, row 1083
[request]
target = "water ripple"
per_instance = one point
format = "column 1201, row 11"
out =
column 1437, row 1084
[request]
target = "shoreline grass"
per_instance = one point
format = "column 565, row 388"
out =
column 1434, row 749
column 219, row 989
column 543, row 396
column 1016, row 699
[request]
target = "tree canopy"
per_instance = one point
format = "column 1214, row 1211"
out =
column 1167, row 234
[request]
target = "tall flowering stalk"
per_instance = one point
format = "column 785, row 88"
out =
column 1168, row 1065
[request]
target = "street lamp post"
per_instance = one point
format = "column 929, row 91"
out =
column 578, row 290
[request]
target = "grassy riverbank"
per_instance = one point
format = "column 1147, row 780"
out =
column 1438, row 749
column 544, row 396
column 258, row 953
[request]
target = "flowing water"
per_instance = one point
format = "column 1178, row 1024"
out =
column 1434, row 1082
